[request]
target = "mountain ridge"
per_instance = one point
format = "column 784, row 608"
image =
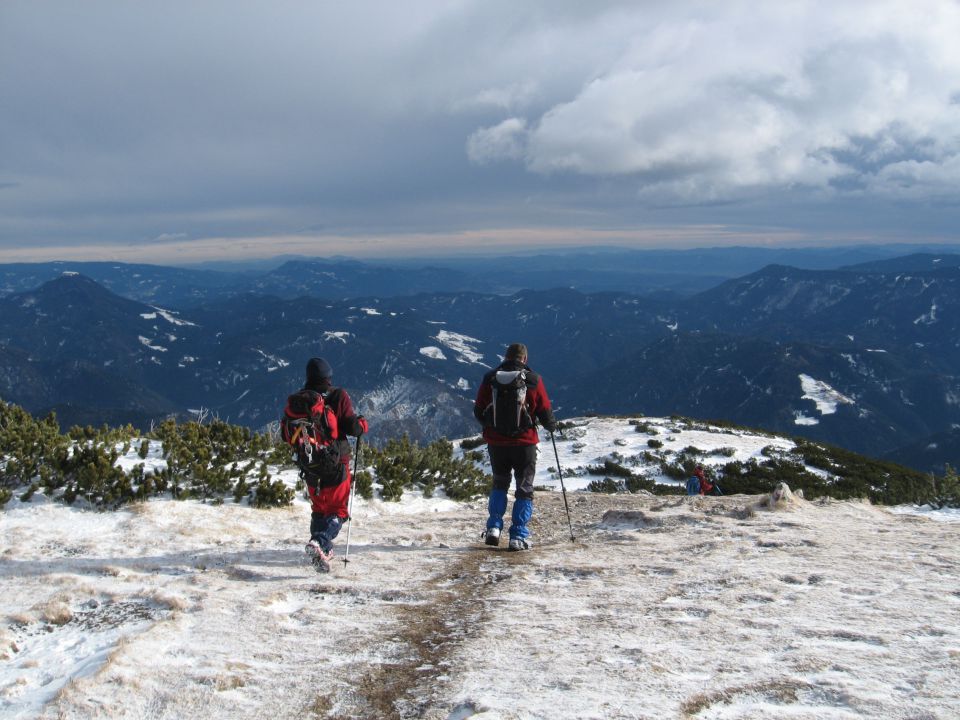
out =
column 891, row 351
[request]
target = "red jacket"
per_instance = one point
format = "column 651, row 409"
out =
column 538, row 405
column 705, row 485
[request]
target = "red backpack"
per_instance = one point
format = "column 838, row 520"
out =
column 309, row 426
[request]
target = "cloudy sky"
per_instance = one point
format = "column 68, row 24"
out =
column 185, row 130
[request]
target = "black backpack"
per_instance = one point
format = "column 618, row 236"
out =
column 509, row 413
column 309, row 426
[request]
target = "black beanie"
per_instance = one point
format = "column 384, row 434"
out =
column 318, row 370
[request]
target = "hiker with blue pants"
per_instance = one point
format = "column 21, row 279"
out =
column 510, row 400
column 701, row 484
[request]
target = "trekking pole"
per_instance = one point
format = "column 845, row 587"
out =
column 353, row 484
column 562, row 488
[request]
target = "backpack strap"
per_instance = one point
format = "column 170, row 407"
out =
column 296, row 434
column 332, row 397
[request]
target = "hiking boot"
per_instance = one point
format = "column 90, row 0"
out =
column 321, row 562
column 491, row 536
column 319, row 558
column 520, row 544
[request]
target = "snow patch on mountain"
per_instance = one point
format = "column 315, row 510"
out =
column 274, row 362
column 462, row 345
column 801, row 419
column 167, row 315
column 824, row 396
column 147, row 343
column 340, row 335
column 433, row 352
column 928, row 318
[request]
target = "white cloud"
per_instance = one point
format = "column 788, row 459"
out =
column 505, row 141
column 506, row 97
column 713, row 102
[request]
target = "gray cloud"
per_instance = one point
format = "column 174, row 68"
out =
column 128, row 122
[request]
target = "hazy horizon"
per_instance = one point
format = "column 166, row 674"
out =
column 454, row 257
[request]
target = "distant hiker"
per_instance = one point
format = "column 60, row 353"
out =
column 707, row 487
column 329, row 416
column 510, row 400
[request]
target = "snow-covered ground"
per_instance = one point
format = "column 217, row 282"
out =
column 590, row 441
column 662, row 607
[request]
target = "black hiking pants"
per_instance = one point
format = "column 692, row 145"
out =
column 518, row 460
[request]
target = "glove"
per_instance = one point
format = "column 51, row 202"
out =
column 364, row 426
column 551, row 426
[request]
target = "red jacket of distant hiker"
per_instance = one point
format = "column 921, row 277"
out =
column 706, row 487
column 538, row 405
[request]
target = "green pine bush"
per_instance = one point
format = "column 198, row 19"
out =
column 400, row 464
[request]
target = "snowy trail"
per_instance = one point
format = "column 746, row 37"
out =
column 664, row 607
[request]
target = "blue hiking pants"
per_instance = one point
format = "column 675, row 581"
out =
column 508, row 463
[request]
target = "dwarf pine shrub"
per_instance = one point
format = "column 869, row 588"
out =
column 26, row 445
column 754, row 477
column 472, row 443
column 632, row 484
column 610, row 467
column 271, row 494
column 203, row 462
column 363, row 484
column 947, row 490
column 607, row 485
column 854, row 475
column 401, row 464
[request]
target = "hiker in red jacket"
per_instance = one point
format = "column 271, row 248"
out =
column 706, row 486
column 510, row 400
column 328, row 500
